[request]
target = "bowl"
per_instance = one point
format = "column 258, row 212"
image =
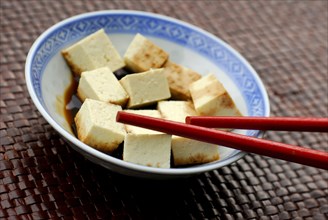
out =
column 48, row 76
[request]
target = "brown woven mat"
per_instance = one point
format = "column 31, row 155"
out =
column 41, row 177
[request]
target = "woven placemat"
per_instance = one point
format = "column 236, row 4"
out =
column 41, row 177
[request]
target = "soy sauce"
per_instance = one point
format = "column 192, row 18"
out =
column 72, row 103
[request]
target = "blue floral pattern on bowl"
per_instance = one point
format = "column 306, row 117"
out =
column 131, row 22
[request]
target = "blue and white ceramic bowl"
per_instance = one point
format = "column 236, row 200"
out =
column 48, row 76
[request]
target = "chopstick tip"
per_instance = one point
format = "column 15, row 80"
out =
column 188, row 120
column 118, row 116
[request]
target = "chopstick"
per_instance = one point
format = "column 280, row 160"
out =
column 261, row 123
column 249, row 144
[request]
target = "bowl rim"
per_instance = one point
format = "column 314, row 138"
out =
column 115, row 161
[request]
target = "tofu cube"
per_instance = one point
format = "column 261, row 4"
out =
column 138, row 130
column 146, row 88
column 142, row 55
column 186, row 151
column 101, row 84
column 176, row 110
column 97, row 127
column 147, row 147
column 211, row 98
column 179, row 79
column 151, row 150
column 92, row 52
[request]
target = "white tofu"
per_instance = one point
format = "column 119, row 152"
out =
column 147, row 147
column 211, row 98
column 153, row 150
column 101, row 84
column 186, row 151
column 97, row 127
column 146, row 88
column 142, row 55
column 139, row 130
column 176, row 110
column 92, row 52
column 179, row 79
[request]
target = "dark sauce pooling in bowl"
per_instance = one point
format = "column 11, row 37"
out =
column 72, row 102
column 120, row 73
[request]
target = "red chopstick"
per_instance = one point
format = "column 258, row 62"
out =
column 261, row 123
column 278, row 150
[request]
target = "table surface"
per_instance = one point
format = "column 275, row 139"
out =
column 286, row 42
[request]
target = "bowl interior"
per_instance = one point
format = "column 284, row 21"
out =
column 48, row 76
